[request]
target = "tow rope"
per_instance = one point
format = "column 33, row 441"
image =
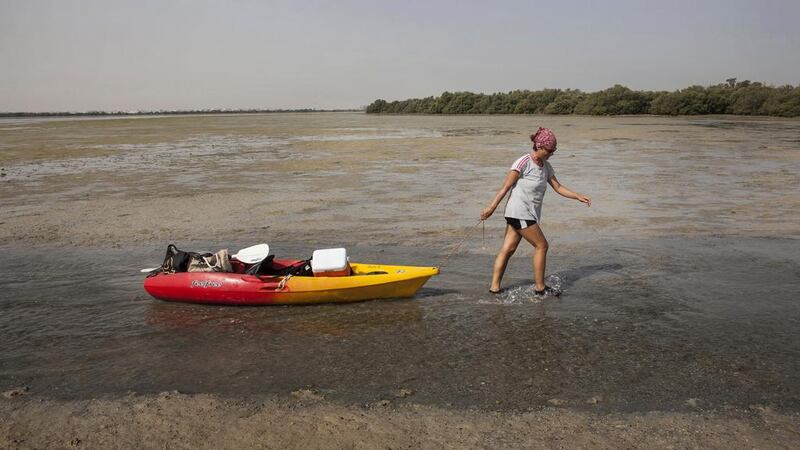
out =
column 469, row 232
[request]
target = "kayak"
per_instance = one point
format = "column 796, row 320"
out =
column 365, row 282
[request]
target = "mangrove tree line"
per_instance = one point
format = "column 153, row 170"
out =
column 731, row 97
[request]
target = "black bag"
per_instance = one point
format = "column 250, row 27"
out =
column 176, row 260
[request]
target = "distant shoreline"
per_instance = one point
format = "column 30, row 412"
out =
column 168, row 113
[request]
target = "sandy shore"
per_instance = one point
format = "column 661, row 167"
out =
column 173, row 420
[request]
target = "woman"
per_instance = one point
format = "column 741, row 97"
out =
column 527, row 180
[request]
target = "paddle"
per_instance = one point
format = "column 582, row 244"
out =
column 249, row 255
column 253, row 254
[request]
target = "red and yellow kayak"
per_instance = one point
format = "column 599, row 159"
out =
column 366, row 282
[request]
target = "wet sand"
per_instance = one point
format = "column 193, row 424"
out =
column 409, row 180
column 678, row 326
column 172, row 420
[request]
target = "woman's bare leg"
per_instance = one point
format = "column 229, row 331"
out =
column 534, row 235
column 510, row 243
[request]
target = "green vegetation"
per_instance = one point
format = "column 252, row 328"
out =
column 731, row 97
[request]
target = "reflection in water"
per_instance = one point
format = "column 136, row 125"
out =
column 288, row 321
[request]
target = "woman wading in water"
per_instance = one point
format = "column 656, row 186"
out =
column 527, row 180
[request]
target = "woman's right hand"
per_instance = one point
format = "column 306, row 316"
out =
column 487, row 213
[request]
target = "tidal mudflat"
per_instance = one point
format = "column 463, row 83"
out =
column 680, row 281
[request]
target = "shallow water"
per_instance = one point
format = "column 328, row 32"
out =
column 642, row 325
column 680, row 283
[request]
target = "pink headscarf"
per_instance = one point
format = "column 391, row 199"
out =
column 544, row 137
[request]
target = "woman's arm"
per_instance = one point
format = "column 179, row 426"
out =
column 566, row 192
column 508, row 183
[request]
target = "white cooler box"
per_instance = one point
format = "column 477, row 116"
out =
column 330, row 262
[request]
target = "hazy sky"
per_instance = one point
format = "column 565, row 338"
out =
column 124, row 55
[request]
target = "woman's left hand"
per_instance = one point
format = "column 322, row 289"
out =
column 584, row 199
